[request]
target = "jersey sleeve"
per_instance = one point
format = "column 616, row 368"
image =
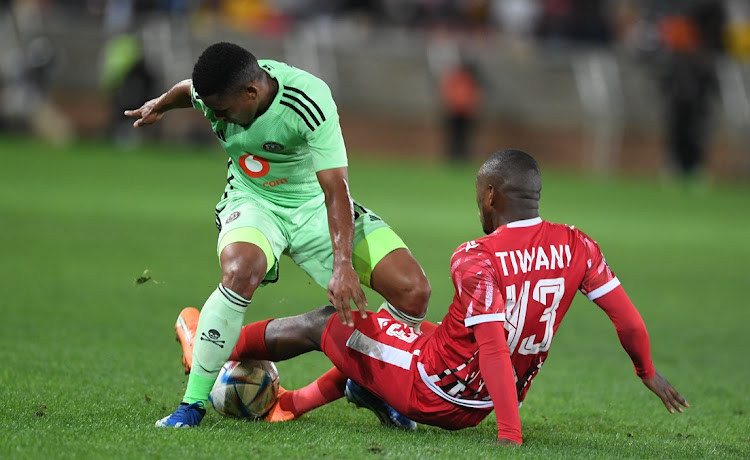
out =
column 321, row 127
column 630, row 330
column 475, row 283
column 497, row 372
column 598, row 279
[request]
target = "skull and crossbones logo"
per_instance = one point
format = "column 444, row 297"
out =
column 213, row 337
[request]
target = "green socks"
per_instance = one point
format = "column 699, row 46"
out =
column 218, row 331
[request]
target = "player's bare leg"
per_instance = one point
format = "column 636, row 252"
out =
column 399, row 278
column 284, row 338
column 244, row 266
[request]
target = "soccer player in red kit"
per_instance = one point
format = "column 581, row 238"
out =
column 512, row 290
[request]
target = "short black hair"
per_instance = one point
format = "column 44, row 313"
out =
column 514, row 170
column 224, row 67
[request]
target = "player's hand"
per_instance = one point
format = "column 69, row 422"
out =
column 507, row 442
column 669, row 396
column 343, row 288
column 150, row 112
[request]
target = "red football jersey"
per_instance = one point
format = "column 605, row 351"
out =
column 525, row 274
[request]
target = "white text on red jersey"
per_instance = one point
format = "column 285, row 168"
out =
column 557, row 256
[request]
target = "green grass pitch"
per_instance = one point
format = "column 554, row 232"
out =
column 89, row 362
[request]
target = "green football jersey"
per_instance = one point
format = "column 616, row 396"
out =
column 278, row 155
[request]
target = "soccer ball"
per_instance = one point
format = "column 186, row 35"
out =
column 246, row 389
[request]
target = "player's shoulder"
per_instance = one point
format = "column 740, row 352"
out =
column 469, row 256
column 557, row 227
column 296, row 81
column 305, row 101
column 577, row 236
column 477, row 248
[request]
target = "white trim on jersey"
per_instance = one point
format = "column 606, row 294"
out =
column 474, row 320
column 473, row 403
column 525, row 223
column 380, row 351
column 605, row 289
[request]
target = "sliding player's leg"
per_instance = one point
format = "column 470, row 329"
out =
column 382, row 351
column 284, row 338
column 292, row 404
column 289, row 337
column 378, row 355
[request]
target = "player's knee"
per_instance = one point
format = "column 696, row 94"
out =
column 316, row 323
column 242, row 275
column 319, row 318
column 325, row 312
column 415, row 297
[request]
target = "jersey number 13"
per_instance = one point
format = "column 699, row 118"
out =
column 547, row 292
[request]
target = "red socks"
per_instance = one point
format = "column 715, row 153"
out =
column 327, row 388
column 252, row 343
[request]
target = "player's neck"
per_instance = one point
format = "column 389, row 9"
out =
column 272, row 87
column 515, row 216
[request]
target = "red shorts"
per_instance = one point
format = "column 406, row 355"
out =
column 380, row 354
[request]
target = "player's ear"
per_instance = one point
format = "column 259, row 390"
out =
column 490, row 196
column 251, row 90
column 497, row 200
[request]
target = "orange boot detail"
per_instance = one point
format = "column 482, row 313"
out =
column 185, row 327
column 277, row 414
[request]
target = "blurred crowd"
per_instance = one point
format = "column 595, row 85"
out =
column 679, row 38
column 627, row 22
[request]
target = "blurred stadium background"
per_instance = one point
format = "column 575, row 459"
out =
column 579, row 83
column 106, row 232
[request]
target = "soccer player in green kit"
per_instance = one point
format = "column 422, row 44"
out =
column 287, row 193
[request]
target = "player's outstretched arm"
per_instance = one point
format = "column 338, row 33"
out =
column 344, row 286
column 665, row 391
column 177, row 97
column 633, row 336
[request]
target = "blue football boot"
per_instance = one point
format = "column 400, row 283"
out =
column 185, row 416
column 388, row 416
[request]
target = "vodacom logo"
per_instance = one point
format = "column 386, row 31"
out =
column 254, row 166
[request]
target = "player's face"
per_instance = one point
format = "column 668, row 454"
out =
column 234, row 107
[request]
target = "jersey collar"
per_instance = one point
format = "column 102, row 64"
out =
column 275, row 102
column 525, row 223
